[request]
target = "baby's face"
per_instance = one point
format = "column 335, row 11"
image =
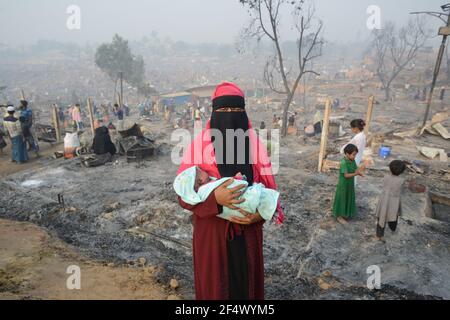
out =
column 201, row 178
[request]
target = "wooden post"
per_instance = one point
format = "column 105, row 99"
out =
column 118, row 99
column 121, row 90
column 324, row 139
column 22, row 95
column 56, row 123
column 91, row 115
column 369, row 114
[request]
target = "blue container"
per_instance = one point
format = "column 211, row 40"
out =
column 384, row 152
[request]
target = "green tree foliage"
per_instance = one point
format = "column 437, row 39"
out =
column 116, row 57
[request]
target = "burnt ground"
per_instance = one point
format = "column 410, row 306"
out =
column 33, row 266
column 123, row 211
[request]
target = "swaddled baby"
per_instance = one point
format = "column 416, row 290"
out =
column 194, row 186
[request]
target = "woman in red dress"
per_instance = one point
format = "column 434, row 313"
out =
column 228, row 255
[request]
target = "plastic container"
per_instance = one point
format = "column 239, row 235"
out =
column 385, row 151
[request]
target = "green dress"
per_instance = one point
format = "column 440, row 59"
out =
column 344, row 200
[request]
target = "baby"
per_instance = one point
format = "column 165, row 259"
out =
column 202, row 178
column 194, row 186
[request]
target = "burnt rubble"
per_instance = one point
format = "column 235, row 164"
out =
column 122, row 212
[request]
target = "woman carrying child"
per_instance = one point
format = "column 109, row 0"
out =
column 228, row 255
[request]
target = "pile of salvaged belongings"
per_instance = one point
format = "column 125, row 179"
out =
column 433, row 127
column 432, row 153
column 45, row 133
column 134, row 145
column 96, row 160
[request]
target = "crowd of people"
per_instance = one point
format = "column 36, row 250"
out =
column 228, row 259
column 74, row 115
column 18, row 126
column 228, row 255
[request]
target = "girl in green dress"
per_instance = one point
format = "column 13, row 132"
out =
column 344, row 205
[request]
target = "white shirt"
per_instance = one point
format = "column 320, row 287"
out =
column 14, row 128
column 359, row 140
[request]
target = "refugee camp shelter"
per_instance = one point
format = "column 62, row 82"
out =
column 256, row 93
column 203, row 91
column 177, row 98
column 202, row 94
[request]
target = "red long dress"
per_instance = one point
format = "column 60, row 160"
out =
column 210, row 252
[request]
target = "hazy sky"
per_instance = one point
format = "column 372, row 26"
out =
column 25, row 21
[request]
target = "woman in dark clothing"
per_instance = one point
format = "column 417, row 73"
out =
column 102, row 142
column 228, row 259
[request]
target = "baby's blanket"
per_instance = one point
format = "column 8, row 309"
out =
column 257, row 196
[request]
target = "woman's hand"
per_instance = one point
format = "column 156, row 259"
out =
column 249, row 218
column 229, row 197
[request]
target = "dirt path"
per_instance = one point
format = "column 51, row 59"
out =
column 7, row 167
column 33, row 265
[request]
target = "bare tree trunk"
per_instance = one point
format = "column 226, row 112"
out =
column 115, row 88
column 387, row 93
column 448, row 64
column 309, row 46
column 395, row 49
column 287, row 103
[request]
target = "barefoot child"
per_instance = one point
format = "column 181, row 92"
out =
column 344, row 205
column 389, row 205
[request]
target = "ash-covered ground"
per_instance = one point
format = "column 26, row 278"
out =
column 124, row 211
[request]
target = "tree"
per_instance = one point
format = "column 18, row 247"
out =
column 116, row 57
column 395, row 50
column 281, row 74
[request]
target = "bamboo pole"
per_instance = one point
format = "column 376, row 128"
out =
column 91, row 115
column 324, row 138
column 56, row 123
column 121, row 90
column 445, row 35
column 369, row 114
column 118, row 99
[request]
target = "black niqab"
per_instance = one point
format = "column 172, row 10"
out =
column 224, row 121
